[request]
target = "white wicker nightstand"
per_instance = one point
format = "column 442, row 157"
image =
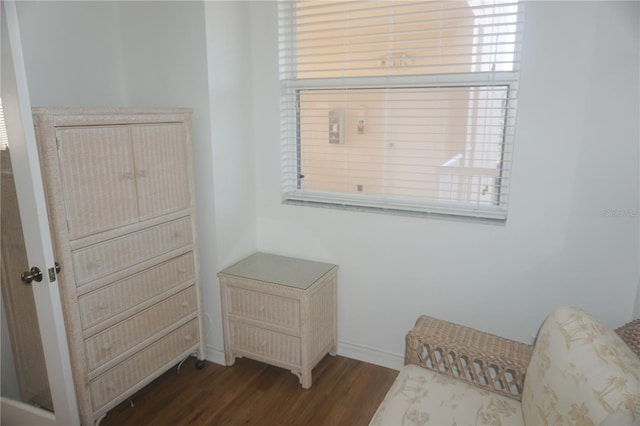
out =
column 281, row 311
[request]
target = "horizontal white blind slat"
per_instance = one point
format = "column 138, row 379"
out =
column 328, row 9
column 401, row 105
column 382, row 27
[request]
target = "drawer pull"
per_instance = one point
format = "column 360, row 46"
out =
column 106, row 348
column 186, row 304
column 261, row 309
column 102, row 305
column 188, row 337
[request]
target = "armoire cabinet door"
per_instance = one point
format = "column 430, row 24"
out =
column 161, row 168
column 98, row 178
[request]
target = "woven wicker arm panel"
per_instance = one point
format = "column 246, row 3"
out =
column 630, row 333
column 487, row 361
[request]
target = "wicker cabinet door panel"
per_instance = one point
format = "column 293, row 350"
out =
column 126, row 375
column 161, row 168
column 98, row 178
column 114, row 255
column 266, row 308
column 116, row 340
column 266, row 344
column 128, row 293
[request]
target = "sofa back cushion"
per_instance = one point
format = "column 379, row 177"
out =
column 580, row 372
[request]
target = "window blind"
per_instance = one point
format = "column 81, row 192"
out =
column 400, row 105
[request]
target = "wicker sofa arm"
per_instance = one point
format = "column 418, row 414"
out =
column 484, row 360
column 630, row 333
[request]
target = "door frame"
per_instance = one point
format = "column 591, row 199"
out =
column 33, row 213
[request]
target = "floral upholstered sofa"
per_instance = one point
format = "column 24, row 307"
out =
column 579, row 372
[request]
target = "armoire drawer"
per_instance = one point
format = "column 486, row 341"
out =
column 125, row 294
column 265, row 343
column 101, row 259
column 266, row 308
column 116, row 340
column 129, row 373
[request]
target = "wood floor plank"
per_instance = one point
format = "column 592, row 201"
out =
column 344, row 392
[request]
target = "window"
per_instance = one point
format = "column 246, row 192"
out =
column 403, row 106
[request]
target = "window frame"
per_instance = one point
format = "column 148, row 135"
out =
column 291, row 159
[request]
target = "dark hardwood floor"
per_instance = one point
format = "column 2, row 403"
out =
column 344, row 392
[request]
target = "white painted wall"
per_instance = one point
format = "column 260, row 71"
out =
column 636, row 308
column 228, row 53
column 72, row 52
column 576, row 160
column 230, row 84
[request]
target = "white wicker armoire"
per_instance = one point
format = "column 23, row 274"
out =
column 120, row 196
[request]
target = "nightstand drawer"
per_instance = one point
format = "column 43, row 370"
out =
column 264, row 343
column 266, row 308
column 116, row 340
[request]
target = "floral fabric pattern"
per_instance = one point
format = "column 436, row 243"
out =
column 580, row 373
column 423, row 397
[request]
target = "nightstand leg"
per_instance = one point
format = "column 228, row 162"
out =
column 305, row 379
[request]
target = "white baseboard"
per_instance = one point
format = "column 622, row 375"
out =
column 215, row 355
column 370, row 355
column 346, row 349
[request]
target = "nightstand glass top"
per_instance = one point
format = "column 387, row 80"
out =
column 287, row 271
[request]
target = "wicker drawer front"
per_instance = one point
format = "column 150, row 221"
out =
column 265, row 308
column 105, row 346
column 265, row 343
column 126, row 375
column 119, row 253
column 122, row 295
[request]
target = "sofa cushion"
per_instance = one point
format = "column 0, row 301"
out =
column 420, row 397
column 580, row 372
